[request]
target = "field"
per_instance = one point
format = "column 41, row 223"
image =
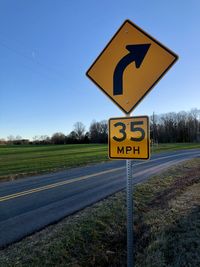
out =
column 24, row 160
column 28, row 160
column 166, row 226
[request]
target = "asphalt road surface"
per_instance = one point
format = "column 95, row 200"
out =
column 28, row 205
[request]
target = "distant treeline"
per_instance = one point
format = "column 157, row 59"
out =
column 165, row 128
column 176, row 127
column 98, row 133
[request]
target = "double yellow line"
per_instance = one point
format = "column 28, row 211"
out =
column 50, row 186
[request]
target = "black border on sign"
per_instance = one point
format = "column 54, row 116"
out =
column 127, row 118
column 163, row 73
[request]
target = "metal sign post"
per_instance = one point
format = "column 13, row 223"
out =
column 129, row 203
column 129, row 139
column 129, row 210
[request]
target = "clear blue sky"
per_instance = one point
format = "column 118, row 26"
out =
column 47, row 46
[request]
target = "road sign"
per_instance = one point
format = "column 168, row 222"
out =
column 130, row 65
column 129, row 138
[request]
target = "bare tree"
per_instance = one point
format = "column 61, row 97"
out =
column 153, row 128
column 18, row 138
column 99, row 132
column 44, row 139
column 2, row 141
column 79, row 130
column 10, row 139
column 58, row 138
column 36, row 140
column 71, row 138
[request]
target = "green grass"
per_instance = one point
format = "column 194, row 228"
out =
column 166, row 226
column 27, row 160
column 24, row 160
column 174, row 146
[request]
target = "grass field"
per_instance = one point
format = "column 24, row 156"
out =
column 24, row 160
column 28, row 160
column 166, row 226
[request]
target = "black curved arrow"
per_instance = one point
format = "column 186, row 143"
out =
column 137, row 54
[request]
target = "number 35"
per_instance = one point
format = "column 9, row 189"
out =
column 133, row 128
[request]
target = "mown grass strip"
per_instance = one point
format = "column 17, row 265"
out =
column 25, row 160
column 16, row 161
column 167, row 228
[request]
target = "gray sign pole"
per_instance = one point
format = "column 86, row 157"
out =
column 129, row 203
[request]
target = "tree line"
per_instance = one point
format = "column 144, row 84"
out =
column 98, row 133
column 164, row 128
column 174, row 127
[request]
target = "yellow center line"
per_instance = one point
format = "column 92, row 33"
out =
column 50, row 186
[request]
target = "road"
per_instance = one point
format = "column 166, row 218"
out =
column 29, row 204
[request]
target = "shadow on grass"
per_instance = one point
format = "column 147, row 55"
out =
column 178, row 245
column 183, row 241
column 162, row 199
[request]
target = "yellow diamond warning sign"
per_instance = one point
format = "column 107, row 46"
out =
column 129, row 138
column 130, row 65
